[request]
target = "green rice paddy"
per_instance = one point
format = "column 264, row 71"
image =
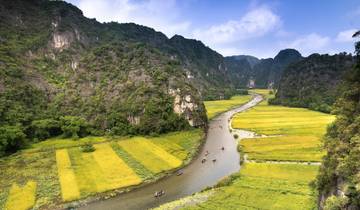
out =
column 57, row 171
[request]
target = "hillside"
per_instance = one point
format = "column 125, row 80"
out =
column 62, row 73
column 313, row 82
column 267, row 72
column 248, row 71
column 338, row 181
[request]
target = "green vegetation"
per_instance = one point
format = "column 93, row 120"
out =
column 216, row 107
column 21, row 198
column 313, row 82
column 265, row 186
column 296, row 132
column 341, row 165
column 105, row 79
column 270, row 185
column 63, row 172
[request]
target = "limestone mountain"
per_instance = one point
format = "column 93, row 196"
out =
column 60, row 70
column 313, row 82
column 248, row 71
column 268, row 71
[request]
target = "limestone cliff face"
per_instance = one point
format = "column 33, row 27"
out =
column 187, row 106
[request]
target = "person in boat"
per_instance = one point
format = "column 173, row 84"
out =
column 156, row 194
column 214, row 160
column 162, row 192
column 203, row 160
column 180, row 172
column 223, row 148
column 206, row 153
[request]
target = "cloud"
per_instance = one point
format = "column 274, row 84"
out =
column 158, row 14
column 346, row 36
column 310, row 43
column 254, row 23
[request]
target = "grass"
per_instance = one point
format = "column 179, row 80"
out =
column 62, row 172
column 151, row 156
column 39, row 167
column 299, row 132
column 266, row 186
column 69, row 187
column 217, row 107
column 296, row 135
column 286, row 148
column 21, row 198
column 59, row 143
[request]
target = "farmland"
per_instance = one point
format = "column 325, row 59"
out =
column 217, row 107
column 50, row 174
column 294, row 133
column 283, row 134
column 265, row 186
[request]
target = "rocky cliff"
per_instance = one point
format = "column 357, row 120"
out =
column 120, row 78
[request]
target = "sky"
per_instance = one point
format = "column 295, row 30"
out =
column 233, row 27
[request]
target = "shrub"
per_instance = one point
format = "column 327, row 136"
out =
column 87, row 148
column 43, row 129
column 335, row 203
column 12, row 138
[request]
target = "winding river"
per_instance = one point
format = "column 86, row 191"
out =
column 196, row 176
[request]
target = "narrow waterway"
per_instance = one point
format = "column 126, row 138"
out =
column 196, row 176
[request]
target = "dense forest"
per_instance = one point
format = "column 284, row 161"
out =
column 339, row 180
column 64, row 74
column 314, row 82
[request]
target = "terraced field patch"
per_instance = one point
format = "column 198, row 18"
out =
column 216, row 107
column 299, row 132
column 285, row 148
column 62, row 172
column 266, row 186
column 21, row 197
column 69, row 187
column 151, row 156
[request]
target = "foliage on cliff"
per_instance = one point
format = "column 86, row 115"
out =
column 313, row 82
column 62, row 73
column 339, row 178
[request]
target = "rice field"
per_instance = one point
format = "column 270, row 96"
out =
column 217, row 107
column 292, row 134
column 266, row 186
column 49, row 175
column 295, row 133
column 151, row 156
column 21, row 197
column 69, row 187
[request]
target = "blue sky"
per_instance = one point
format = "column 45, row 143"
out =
column 259, row 28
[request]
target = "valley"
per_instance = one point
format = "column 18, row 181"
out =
column 50, row 174
column 156, row 104
column 272, row 174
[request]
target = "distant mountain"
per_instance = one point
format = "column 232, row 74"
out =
column 252, row 60
column 239, row 71
column 268, row 71
column 248, row 71
column 313, row 82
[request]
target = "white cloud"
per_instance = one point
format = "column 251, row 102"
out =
column 310, row 43
column 346, row 36
column 255, row 23
column 158, row 14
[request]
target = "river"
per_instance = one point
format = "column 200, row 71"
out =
column 196, row 176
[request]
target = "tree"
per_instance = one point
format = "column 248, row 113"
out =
column 73, row 126
column 46, row 128
column 341, row 165
column 12, row 138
